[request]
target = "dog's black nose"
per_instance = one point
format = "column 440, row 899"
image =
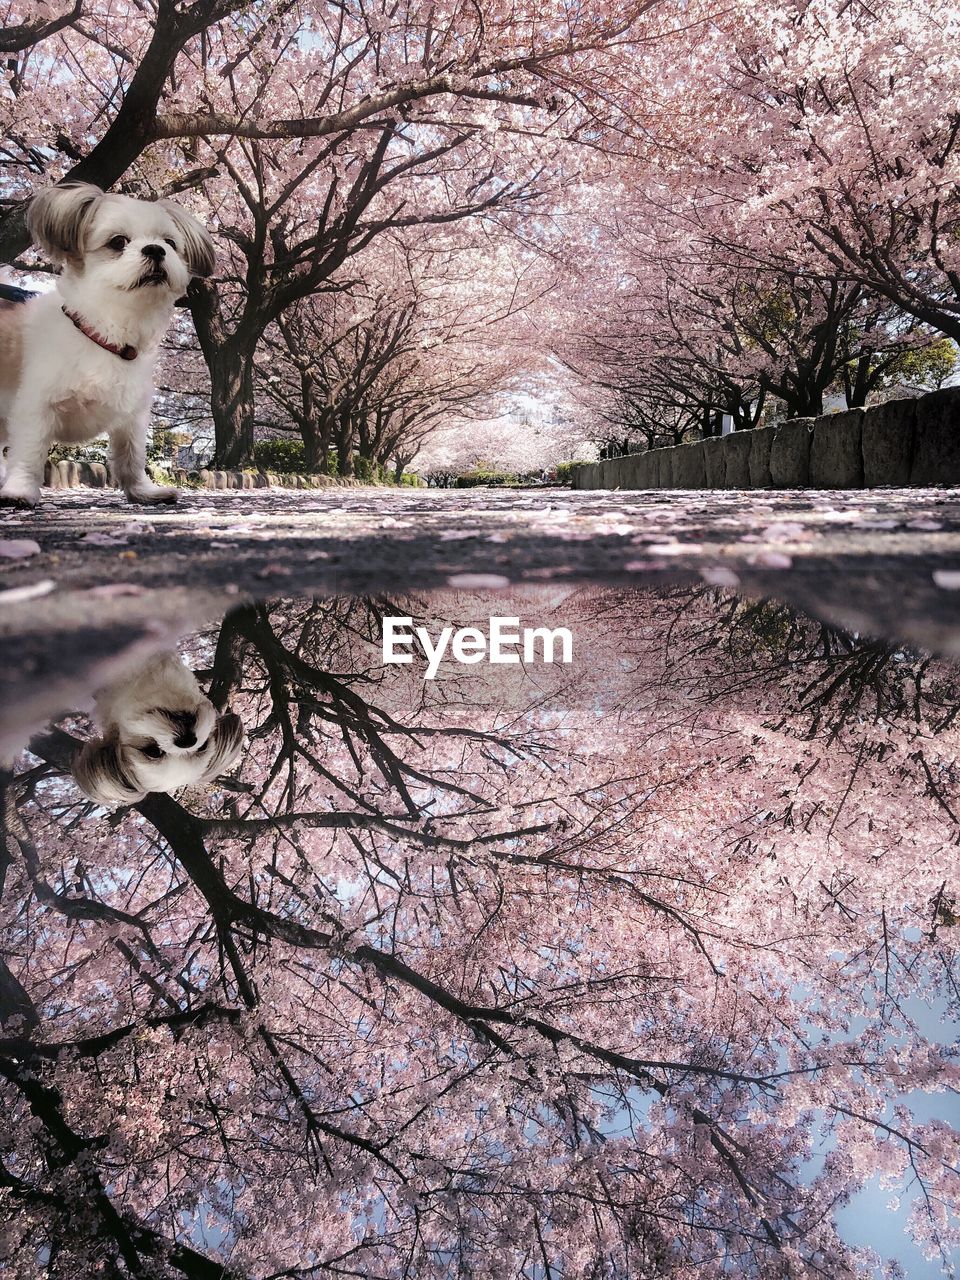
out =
column 185, row 740
column 155, row 251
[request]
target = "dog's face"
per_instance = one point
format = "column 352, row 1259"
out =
column 118, row 243
column 160, row 733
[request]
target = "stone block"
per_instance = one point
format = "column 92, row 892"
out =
column 601, row 474
column 736, row 447
column 219, row 480
column 690, row 470
column 69, row 473
column 936, row 454
column 668, row 467
column 51, row 475
column 888, row 442
column 646, row 471
column 758, row 464
column 790, row 453
column 628, row 471
column 206, row 479
column 714, row 462
column 836, row 460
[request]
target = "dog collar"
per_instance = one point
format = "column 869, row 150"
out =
column 126, row 352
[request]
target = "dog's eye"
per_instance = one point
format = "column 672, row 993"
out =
column 118, row 243
column 152, row 752
column 171, row 243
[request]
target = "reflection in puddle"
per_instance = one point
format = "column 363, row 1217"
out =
column 157, row 733
column 640, row 966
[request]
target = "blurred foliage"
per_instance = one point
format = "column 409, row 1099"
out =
column 925, row 369
column 473, row 479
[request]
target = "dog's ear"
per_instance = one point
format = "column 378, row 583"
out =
column 58, row 216
column 199, row 254
column 98, row 770
column 225, row 744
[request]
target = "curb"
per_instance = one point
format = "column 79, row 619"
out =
column 67, row 474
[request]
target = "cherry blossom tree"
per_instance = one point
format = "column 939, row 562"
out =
column 863, row 154
column 701, row 329
column 748, row 203
column 823, row 139
column 372, row 370
column 307, row 132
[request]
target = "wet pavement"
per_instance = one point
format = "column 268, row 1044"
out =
column 887, row 561
column 87, row 580
column 298, row 938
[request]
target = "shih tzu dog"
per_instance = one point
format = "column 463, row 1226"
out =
column 159, row 733
column 78, row 362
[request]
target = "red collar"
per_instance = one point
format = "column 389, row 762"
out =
column 126, row 352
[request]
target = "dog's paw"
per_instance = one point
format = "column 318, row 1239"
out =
column 19, row 496
column 152, row 495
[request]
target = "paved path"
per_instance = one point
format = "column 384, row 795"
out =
column 273, row 542
column 886, row 561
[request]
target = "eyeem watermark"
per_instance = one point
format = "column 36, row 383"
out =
column 503, row 642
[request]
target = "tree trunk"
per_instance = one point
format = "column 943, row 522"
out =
column 232, row 407
column 805, row 401
column 311, row 447
column 229, row 360
column 858, row 389
column 309, row 426
column 344, row 443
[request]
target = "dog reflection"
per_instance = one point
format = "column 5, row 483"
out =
column 158, row 733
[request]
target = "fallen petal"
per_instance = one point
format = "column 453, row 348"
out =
column 19, row 548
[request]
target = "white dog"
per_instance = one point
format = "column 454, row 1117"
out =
column 79, row 362
column 159, row 733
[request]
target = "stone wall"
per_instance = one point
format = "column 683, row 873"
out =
column 67, row 475
column 902, row 442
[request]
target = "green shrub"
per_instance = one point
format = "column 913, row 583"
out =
column 471, row 479
column 564, row 472
column 412, row 480
column 163, row 443
column 79, row 453
column 279, row 454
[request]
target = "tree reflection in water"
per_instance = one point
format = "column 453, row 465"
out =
column 621, row 969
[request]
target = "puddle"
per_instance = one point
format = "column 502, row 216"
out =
column 317, row 963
